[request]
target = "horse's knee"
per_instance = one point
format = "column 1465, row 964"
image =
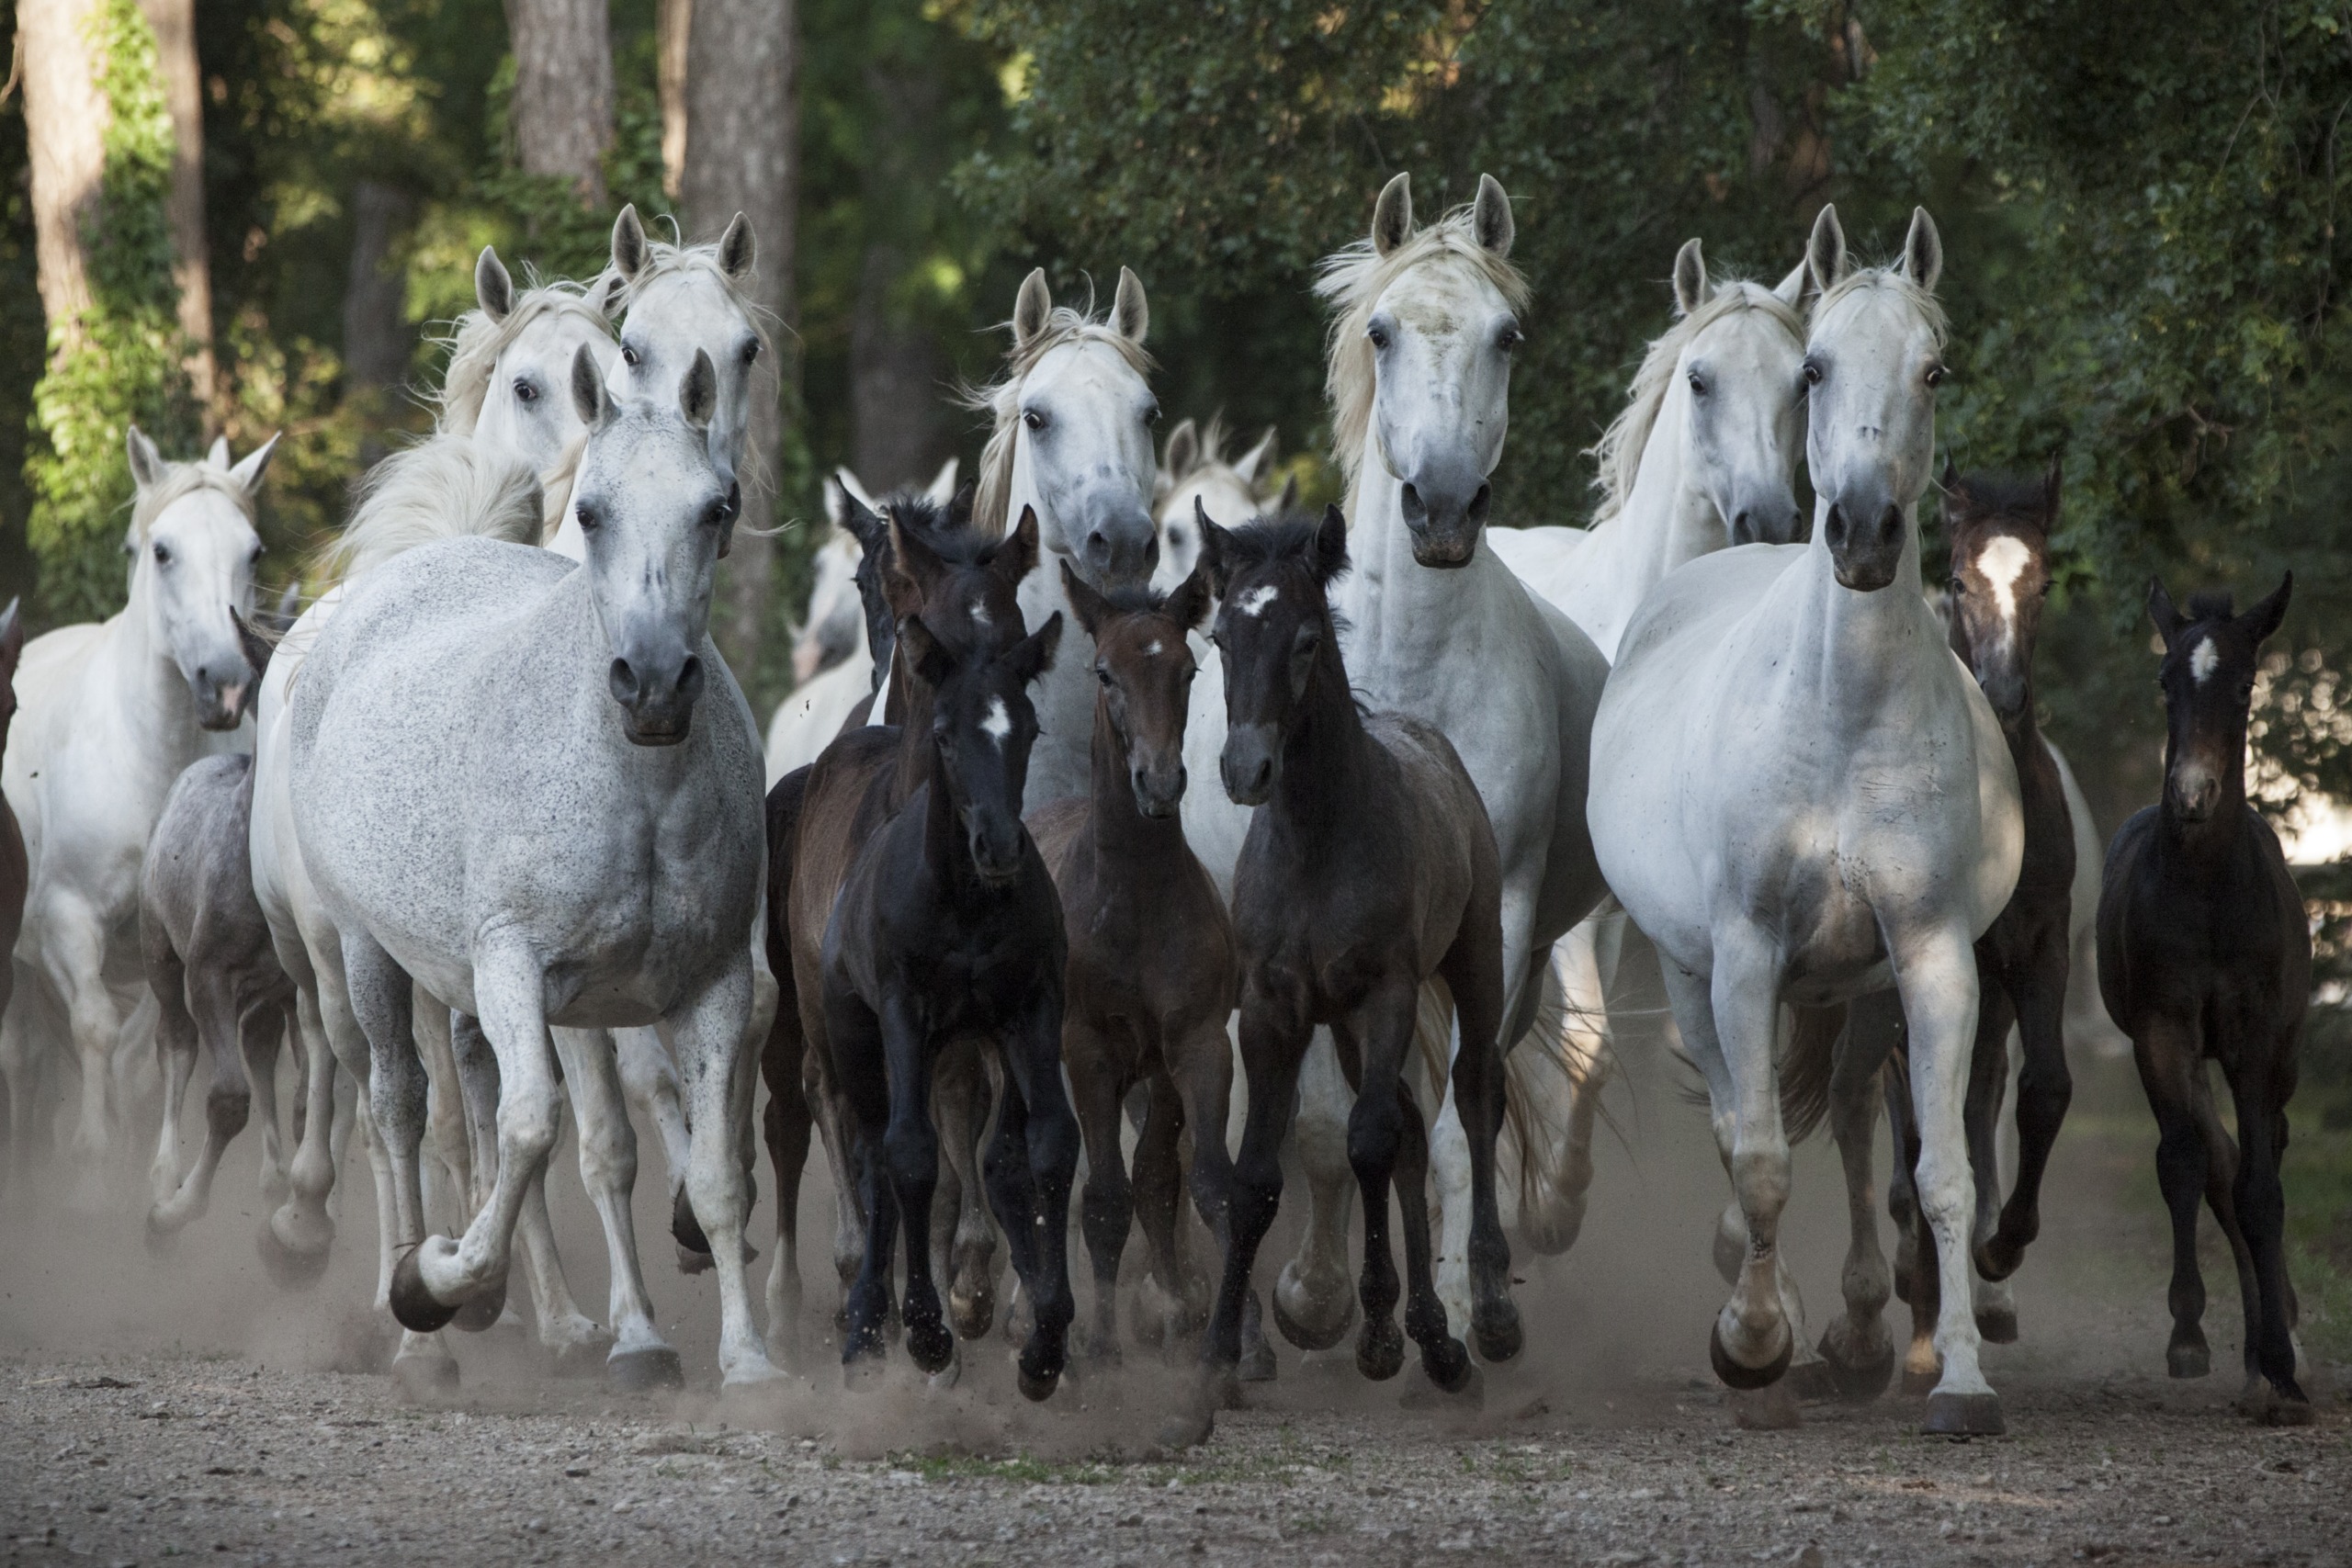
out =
column 528, row 1121
column 912, row 1151
column 226, row 1110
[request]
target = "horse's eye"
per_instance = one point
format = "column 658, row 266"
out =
column 1151, row 414
column 1938, row 375
column 1812, row 373
column 1958, row 587
column 254, row 558
column 1698, row 385
column 628, row 355
column 162, row 554
column 751, row 351
column 1032, row 419
column 1509, row 338
column 587, row 515
column 1379, row 336
column 1103, row 675
column 525, row 392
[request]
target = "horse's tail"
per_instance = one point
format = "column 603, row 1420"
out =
column 448, row 486
column 1806, row 1069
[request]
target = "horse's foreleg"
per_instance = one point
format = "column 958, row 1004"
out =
column 649, row 1080
column 719, row 1069
column 1477, row 1087
column 966, row 1250
column 910, row 1153
column 73, row 954
column 1936, row 973
column 1856, row 1347
column 2261, row 1206
column 1988, row 1086
column 2045, row 1088
column 788, row 1125
column 1737, row 1037
column 1312, row 1302
column 260, row 1035
column 227, row 1106
column 175, row 1045
column 838, row 1129
column 1093, row 1057
column 1033, row 1061
column 1159, row 1203
column 1522, row 965
column 1202, row 1068
column 2169, row 1053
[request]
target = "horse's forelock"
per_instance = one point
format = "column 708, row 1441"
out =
column 665, row 261
column 1000, row 399
column 1879, row 281
column 181, row 480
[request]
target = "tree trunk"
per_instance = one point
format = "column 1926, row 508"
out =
column 674, row 28
column 377, row 339
column 563, row 90
column 175, row 25
column 742, row 155
column 65, row 124
column 895, row 372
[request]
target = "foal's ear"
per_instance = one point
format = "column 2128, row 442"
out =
column 1923, row 250
column 930, row 664
column 493, row 289
column 1184, row 451
column 1490, row 217
column 1031, row 308
column 1824, row 253
column 588, row 388
column 2160, row 611
column 911, row 557
column 1189, row 605
column 1029, row 657
column 1391, row 215
column 630, row 252
column 2050, row 477
column 959, row 505
column 1016, row 557
column 1690, row 290
column 1331, row 545
column 2263, row 619
column 147, row 464
column 1214, row 541
column 248, row 474
column 739, row 249
column 1130, row 312
column 1090, row 606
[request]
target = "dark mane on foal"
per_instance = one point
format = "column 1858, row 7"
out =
column 944, row 528
column 1263, row 541
column 1134, row 601
column 2211, row 605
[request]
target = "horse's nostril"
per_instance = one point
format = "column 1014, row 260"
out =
column 1414, row 508
column 622, row 680
column 690, row 678
column 1480, row 502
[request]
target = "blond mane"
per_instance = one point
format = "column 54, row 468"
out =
column 475, row 341
column 181, row 480
column 1619, row 450
column 1355, row 278
column 1001, row 399
column 445, row 487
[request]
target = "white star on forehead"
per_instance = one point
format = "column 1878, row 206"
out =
column 1151, row 649
column 2003, row 562
column 996, row 724
column 2204, row 660
column 980, row 612
column 1254, row 603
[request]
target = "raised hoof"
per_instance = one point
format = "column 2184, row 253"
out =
column 1447, row 1362
column 1810, row 1382
column 288, row 1269
column 1998, row 1257
column 1963, row 1416
column 1307, row 1339
column 930, row 1347
column 1734, row 1375
column 972, row 1314
column 482, row 1309
column 1773, row 1409
column 412, row 1306
column 685, row 1228
column 1038, row 1384
column 425, row 1378
column 1858, row 1382
column 691, row 1262
column 1380, row 1350
column 2188, row 1361
column 649, row 1371
column 1499, row 1334
column 1997, row 1325
column 1309, row 1322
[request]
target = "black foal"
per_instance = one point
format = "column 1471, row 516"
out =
column 1370, row 868
column 2204, row 956
column 948, row 927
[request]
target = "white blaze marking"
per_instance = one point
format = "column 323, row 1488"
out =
column 979, row 614
column 1253, row 604
column 2003, row 562
column 2203, row 661
column 996, row 724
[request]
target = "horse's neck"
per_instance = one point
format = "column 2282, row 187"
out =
column 1859, row 656
column 1324, row 757
column 149, row 693
column 1118, row 827
column 1404, row 617
column 1667, row 520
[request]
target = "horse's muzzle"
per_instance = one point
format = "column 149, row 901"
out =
column 1251, row 763
column 1865, row 544
column 1444, row 527
column 659, row 705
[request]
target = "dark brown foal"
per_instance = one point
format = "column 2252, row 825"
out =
column 1370, row 867
column 1150, row 977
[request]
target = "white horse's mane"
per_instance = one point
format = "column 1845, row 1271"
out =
column 1001, row 399
column 1619, row 450
column 1874, row 279
column 476, row 342
column 181, row 480
column 666, row 260
column 1354, row 279
column 445, row 487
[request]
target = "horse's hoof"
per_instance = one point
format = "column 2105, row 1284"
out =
column 1447, row 1362
column 654, row 1369
column 1917, row 1382
column 425, row 1378
column 414, row 1306
column 1773, row 1409
column 288, row 1269
column 2188, row 1359
column 1498, row 1333
column 1997, row 1258
column 160, row 1238
column 1257, row 1364
column 685, row 1228
column 1380, row 1349
column 1037, row 1380
column 691, row 1262
column 1963, row 1416
column 972, row 1314
column 481, row 1311
column 1858, row 1382
column 1734, row 1375
column 947, row 1377
column 1997, row 1325
column 1314, row 1337
column 929, row 1345
column 2279, row 1411
column 1192, row 1424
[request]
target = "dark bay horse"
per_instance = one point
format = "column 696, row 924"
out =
column 1370, row 867
column 2204, row 956
column 948, row 928
column 1151, row 977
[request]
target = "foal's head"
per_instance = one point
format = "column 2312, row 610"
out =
column 2000, row 573
column 1274, row 632
column 1145, row 664
column 982, row 726
column 934, row 564
column 2208, row 681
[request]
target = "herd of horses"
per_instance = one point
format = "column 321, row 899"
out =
column 1106, row 772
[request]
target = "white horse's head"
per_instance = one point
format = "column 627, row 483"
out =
column 682, row 300
column 1072, row 437
column 1420, row 359
column 835, row 614
column 1872, row 362
column 194, row 548
column 509, row 363
column 1737, row 373
column 1195, row 470
column 652, row 509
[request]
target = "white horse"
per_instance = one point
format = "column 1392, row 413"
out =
column 1194, row 469
column 507, row 413
column 1418, row 378
column 108, row 716
column 1800, row 795
column 502, row 791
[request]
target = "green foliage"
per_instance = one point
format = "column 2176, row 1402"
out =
column 120, row 362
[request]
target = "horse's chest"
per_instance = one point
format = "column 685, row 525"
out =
column 981, row 981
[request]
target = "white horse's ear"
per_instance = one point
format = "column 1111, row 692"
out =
column 1791, row 290
column 1391, row 215
column 146, row 463
column 248, row 473
column 218, row 457
column 739, row 249
column 941, row 488
column 588, row 388
column 855, row 487
column 1130, row 312
column 1490, row 217
column 1184, row 451
column 1824, row 253
column 630, row 252
column 1290, row 495
column 493, row 289
column 1923, row 250
column 1690, row 287
column 1257, row 462
column 698, row 393
column 836, row 502
column 1031, row 306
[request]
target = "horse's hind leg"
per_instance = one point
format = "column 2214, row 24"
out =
column 650, row 1080
column 1569, row 1064
column 175, row 1044
column 640, row 1357
column 1107, row 1211
column 786, row 1125
column 2045, row 1088
column 1036, row 1107
column 1988, row 1084
column 1856, row 1347
column 260, row 1034
column 837, row 1123
column 1313, row 1304
column 294, row 1240
column 2170, row 1057
column 965, row 1253
column 1915, row 1255
column 461, row 1121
